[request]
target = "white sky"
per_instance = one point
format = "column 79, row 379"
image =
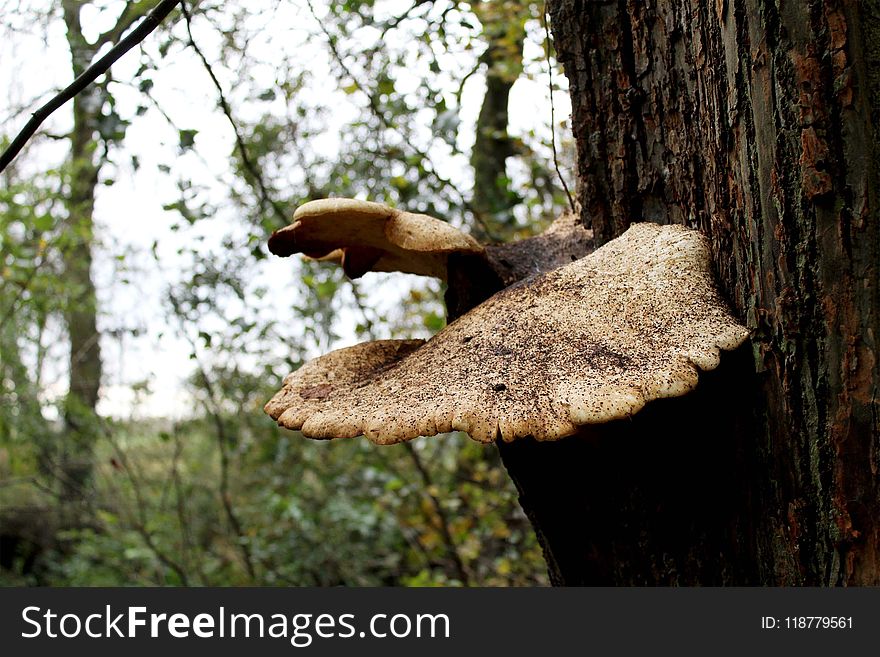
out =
column 129, row 213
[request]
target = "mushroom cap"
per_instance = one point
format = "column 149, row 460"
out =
column 367, row 236
column 589, row 342
column 306, row 389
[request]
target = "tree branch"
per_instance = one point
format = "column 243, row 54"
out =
column 395, row 22
column 265, row 197
column 150, row 22
column 139, row 517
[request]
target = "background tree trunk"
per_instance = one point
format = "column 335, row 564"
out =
column 504, row 32
column 754, row 122
column 84, row 373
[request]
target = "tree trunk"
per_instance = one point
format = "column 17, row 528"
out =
column 84, row 374
column 504, row 32
column 756, row 123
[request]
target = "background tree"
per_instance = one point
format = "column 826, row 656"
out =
column 96, row 126
column 504, row 31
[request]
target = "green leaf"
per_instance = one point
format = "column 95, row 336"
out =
column 385, row 86
column 187, row 138
column 433, row 322
column 44, row 222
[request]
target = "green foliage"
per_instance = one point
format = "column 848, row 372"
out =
column 311, row 514
column 221, row 496
column 31, row 292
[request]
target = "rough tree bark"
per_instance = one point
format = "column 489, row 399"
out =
column 755, row 122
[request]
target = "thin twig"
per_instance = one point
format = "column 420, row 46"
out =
column 182, row 520
column 225, row 496
column 451, row 549
column 214, row 411
column 389, row 125
column 394, row 23
column 125, row 20
column 552, row 106
column 467, row 76
column 139, row 521
column 449, row 542
column 265, row 196
column 369, row 324
column 12, row 113
column 150, row 22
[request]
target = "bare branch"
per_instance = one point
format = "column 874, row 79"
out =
column 395, row 22
column 150, row 22
column 139, row 520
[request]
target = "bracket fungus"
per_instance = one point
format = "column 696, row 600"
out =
column 584, row 343
column 365, row 236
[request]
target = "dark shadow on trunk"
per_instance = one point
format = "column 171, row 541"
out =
column 664, row 498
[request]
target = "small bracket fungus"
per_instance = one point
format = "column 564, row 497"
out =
column 587, row 342
column 366, row 236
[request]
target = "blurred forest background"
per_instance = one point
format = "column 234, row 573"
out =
column 143, row 324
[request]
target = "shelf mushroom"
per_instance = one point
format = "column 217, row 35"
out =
column 365, row 236
column 587, row 342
